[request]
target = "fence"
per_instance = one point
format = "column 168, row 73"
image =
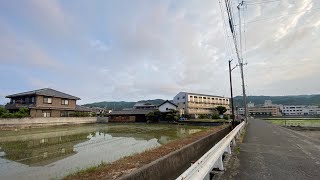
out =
column 213, row 158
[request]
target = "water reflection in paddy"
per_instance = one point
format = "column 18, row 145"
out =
column 54, row 152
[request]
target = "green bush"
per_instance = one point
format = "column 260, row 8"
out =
column 225, row 117
column 23, row 112
column 153, row 116
column 203, row 116
column 3, row 111
column 80, row 114
column 215, row 116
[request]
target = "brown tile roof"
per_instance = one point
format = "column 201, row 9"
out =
column 45, row 92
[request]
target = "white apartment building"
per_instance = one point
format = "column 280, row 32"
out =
column 195, row 104
column 300, row 110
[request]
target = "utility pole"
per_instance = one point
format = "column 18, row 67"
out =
column 231, row 91
column 238, row 52
column 241, row 66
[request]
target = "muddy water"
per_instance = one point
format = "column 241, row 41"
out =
column 52, row 153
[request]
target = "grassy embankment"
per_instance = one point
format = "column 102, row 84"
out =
column 303, row 122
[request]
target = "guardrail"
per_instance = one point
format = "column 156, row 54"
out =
column 202, row 168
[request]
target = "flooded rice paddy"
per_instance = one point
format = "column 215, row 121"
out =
column 51, row 153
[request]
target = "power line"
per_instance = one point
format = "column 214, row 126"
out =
column 259, row 2
column 280, row 16
column 229, row 50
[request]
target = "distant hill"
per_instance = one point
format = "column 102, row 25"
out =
column 285, row 100
column 118, row 105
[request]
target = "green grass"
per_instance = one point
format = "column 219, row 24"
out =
column 296, row 122
column 88, row 170
column 208, row 120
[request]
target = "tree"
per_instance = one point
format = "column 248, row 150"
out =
column 215, row 116
column 221, row 110
column 153, row 116
column 172, row 115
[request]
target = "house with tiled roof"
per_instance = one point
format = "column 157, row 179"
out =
column 45, row 102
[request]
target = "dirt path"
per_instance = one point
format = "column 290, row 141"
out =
column 126, row 165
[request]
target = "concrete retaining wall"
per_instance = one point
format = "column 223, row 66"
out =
column 25, row 122
column 175, row 163
column 102, row 119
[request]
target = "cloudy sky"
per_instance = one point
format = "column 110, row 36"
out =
column 144, row 49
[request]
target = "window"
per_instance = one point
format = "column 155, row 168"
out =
column 64, row 101
column 183, row 97
column 64, row 114
column 32, row 99
column 178, row 98
column 46, row 113
column 47, row 100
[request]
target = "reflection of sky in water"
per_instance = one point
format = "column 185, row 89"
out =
column 57, row 154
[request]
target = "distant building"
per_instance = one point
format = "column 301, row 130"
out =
column 264, row 111
column 300, row 110
column 129, row 115
column 167, row 106
column 43, row 103
column 250, row 104
column 195, row 104
column 141, row 105
column 139, row 111
column 267, row 103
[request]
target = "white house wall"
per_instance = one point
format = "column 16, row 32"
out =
column 166, row 107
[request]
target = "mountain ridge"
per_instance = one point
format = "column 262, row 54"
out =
column 313, row 99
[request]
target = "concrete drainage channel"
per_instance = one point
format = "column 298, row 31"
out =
column 175, row 163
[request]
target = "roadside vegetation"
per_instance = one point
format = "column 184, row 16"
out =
column 315, row 122
column 23, row 112
column 83, row 114
column 156, row 116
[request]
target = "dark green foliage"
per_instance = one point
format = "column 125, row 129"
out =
column 172, row 115
column 221, row 109
column 285, row 100
column 225, row 117
column 122, row 104
column 215, row 116
column 188, row 116
column 3, row 111
column 203, row 116
column 154, row 116
column 80, row 114
column 23, row 112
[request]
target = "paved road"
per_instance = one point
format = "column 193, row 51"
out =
column 272, row 152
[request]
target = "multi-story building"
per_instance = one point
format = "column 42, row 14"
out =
column 264, row 111
column 43, row 103
column 267, row 109
column 195, row 104
column 300, row 110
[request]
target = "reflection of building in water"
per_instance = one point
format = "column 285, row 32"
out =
column 40, row 152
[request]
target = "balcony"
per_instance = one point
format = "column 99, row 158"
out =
column 18, row 105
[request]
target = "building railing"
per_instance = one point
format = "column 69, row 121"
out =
column 202, row 168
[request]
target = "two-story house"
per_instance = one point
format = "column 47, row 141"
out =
column 43, row 103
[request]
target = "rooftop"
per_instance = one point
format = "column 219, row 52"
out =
column 142, row 104
column 45, row 92
column 132, row 112
column 198, row 94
